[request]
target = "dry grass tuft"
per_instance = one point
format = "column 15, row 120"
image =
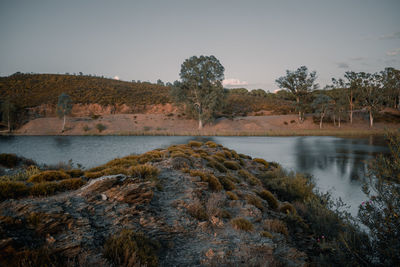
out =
column 232, row 195
column 270, row 198
column 276, row 226
column 242, row 224
column 47, row 176
column 233, row 165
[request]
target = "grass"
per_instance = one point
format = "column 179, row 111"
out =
column 145, row 171
column 226, row 183
column 242, row 224
column 261, row 161
column 197, row 210
column 287, row 208
column 128, row 248
column 250, row 178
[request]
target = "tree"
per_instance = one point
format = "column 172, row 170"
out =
column 201, row 87
column 299, row 83
column 381, row 213
column 8, row 109
column 160, row 82
column 391, row 84
column 339, row 105
column 371, row 93
column 64, row 107
column 352, row 87
column 321, row 104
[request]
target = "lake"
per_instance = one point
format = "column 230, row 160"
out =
column 337, row 164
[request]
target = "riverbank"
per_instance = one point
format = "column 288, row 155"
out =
column 172, row 125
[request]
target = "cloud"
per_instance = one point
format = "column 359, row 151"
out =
column 393, row 52
column 342, row 65
column 395, row 35
column 234, row 82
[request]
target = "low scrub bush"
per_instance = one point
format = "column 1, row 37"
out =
column 242, row 224
column 233, row 165
column 128, row 248
column 22, row 175
column 218, row 158
column 276, row 226
column 227, row 153
column 47, row 176
column 270, row 198
column 203, row 176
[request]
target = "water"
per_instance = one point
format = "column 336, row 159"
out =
column 337, row 164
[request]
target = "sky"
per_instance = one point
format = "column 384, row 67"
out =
column 256, row 41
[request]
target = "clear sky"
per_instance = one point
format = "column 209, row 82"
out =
column 256, row 41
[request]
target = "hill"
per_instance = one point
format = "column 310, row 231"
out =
column 30, row 90
column 188, row 205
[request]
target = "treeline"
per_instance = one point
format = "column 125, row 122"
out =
column 366, row 92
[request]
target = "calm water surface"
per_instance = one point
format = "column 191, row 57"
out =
column 337, row 164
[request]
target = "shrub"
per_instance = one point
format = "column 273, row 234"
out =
column 211, row 144
column 21, row 175
column 144, row 171
column 233, row 165
column 224, row 214
column 226, row 183
column 261, row 161
column 270, row 198
column 12, row 189
column 195, row 144
column 85, row 128
column 9, row 160
column 243, row 156
column 128, row 248
column 287, row 208
column 232, row 195
column 100, row 127
column 75, row 173
column 47, row 176
column 276, row 226
column 255, row 201
column 242, row 224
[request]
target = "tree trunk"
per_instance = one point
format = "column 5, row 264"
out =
column 63, row 128
column 8, row 121
column 334, row 120
column 351, row 108
column 320, row 121
column 300, row 117
column 371, row 119
column 200, row 124
column 339, row 121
